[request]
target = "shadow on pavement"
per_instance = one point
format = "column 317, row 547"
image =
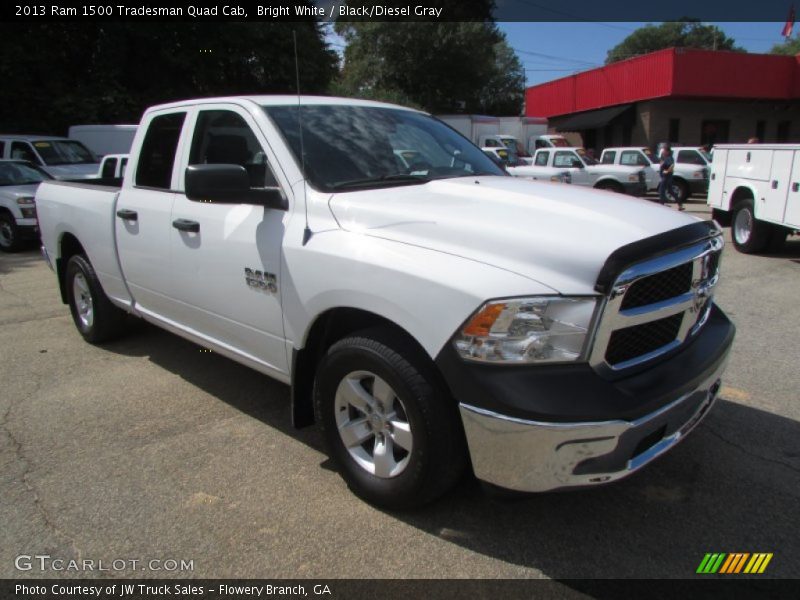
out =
column 11, row 261
column 732, row 486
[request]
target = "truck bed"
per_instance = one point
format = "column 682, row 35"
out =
column 85, row 210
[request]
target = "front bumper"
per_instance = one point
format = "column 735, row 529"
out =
column 538, row 429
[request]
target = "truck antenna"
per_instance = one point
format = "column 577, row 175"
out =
column 307, row 230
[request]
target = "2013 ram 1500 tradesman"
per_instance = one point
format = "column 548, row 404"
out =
column 430, row 316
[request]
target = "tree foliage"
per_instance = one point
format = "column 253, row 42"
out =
column 789, row 47
column 60, row 74
column 441, row 67
column 686, row 33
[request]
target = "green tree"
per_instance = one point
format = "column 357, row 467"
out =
column 686, row 33
column 441, row 67
column 789, row 47
column 60, row 74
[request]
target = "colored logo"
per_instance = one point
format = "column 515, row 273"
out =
column 737, row 562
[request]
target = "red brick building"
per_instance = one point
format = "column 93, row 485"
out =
column 679, row 95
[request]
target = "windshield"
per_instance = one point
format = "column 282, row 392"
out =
column 352, row 147
column 64, row 152
column 706, row 155
column 17, row 173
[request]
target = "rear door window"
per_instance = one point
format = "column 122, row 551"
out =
column 633, row 158
column 157, row 156
column 565, row 159
column 690, row 157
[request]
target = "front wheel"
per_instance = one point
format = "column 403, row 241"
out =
column 749, row 234
column 391, row 428
column 678, row 191
column 9, row 234
column 96, row 318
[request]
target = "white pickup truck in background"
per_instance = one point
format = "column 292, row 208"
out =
column 62, row 158
column 549, row 164
column 19, row 181
column 429, row 311
column 756, row 189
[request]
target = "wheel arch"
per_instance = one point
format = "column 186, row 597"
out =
column 68, row 246
column 326, row 329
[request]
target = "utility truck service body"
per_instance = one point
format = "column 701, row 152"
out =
column 430, row 316
column 756, row 189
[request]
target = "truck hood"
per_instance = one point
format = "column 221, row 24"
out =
column 85, row 171
column 558, row 235
column 12, row 192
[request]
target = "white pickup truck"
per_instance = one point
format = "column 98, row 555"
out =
column 551, row 163
column 756, row 190
column 19, row 180
column 430, row 317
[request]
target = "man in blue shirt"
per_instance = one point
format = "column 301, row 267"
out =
column 666, row 170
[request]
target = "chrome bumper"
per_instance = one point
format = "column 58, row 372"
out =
column 531, row 456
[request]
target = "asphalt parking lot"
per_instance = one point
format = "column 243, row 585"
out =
column 149, row 448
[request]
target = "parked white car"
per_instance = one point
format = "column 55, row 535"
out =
column 62, row 158
column 18, row 183
column 583, row 170
column 430, row 320
column 756, row 189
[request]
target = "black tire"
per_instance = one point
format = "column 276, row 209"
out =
column 749, row 235
column 777, row 238
column 723, row 217
column 611, row 186
column 107, row 321
column 679, row 191
column 438, row 454
column 9, row 234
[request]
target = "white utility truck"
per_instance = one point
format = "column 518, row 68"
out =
column 104, row 139
column 574, row 166
column 755, row 188
column 432, row 314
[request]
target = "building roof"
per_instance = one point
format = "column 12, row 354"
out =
column 670, row 73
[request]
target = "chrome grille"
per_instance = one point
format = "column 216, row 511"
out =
column 656, row 305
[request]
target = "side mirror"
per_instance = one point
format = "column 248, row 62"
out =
column 229, row 184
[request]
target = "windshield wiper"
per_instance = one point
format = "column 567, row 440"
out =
column 395, row 178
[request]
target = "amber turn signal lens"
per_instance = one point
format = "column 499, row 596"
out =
column 481, row 324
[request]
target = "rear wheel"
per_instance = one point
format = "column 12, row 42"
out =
column 9, row 234
column 388, row 423
column 678, row 191
column 749, row 234
column 96, row 318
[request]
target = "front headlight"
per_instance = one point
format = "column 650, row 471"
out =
column 700, row 174
column 633, row 178
column 25, row 201
column 545, row 329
